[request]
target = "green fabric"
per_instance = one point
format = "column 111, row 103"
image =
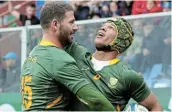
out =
column 14, row 99
column 124, row 38
column 11, row 18
column 89, row 95
column 50, row 73
column 118, row 82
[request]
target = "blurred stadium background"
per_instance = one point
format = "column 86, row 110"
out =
column 150, row 53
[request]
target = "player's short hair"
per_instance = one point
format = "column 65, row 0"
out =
column 53, row 10
column 31, row 5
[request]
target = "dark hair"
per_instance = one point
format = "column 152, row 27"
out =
column 95, row 14
column 32, row 5
column 53, row 10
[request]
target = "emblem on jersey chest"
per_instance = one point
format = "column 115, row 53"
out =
column 112, row 82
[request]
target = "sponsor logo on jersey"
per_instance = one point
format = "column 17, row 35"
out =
column 112, row 82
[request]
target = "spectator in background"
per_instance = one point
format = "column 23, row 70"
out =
column 29, row 18
column 167, row 54
column 151, row 47
column 149, row 6
column 10, row 74
column 167, row 5
column 2, row 75
column 125, row 7
column 114, row 9
column 95, row 15
column 1, row 2
column 94, row 6
column 105, row 12
column 82, row 10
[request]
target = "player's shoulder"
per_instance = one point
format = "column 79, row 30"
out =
column 51, row 53
column 119, row 66
column 131, row 75
column 44, row 52
column 125, row 71
column 75, row 50
column 60, row 55
column 79, row 46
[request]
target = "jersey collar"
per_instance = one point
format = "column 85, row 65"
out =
column 111, row 62
column 114, row 61
column 47, row 43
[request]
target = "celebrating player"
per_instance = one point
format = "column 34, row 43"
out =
column 49, row 73
column 114, row 79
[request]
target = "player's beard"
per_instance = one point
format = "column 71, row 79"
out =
column 103, row 48
column 64, row 35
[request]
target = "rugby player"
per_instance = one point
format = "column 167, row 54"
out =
column 49, row 74
column 108, row 73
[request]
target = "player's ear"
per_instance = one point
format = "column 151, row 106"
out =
column 55, row 24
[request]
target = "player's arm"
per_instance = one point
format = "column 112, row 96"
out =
column 13, row 12
column 75, row 50
column 151, row 103
column 70, row 76
column 140, row 92
column 94, row 99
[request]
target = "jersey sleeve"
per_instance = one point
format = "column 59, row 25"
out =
column 136, row 86
column 70, row 76
column 75, row 50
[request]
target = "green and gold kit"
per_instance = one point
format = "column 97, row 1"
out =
column 116, row 81
column 48, row 76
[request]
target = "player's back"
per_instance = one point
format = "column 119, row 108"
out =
column 40, row 90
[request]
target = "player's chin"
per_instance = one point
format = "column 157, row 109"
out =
column 98, row 42
column 70, row 39
column 99, row 46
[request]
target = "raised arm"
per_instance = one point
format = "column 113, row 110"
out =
column 13, row 11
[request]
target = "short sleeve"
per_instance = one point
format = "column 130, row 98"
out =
column 136, row 86
column 70, row 76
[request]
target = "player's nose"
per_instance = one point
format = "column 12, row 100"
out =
column 103, row 29
column 75, row 28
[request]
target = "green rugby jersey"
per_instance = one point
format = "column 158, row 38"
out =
column 117, row 81
column 48, row 76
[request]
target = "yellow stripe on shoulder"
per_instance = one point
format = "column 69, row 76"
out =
column 114, row 61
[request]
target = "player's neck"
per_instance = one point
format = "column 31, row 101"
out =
column 105, row 56
column 50, row 37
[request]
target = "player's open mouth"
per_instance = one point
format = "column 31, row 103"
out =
column 100, row 34
column 72, row 35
